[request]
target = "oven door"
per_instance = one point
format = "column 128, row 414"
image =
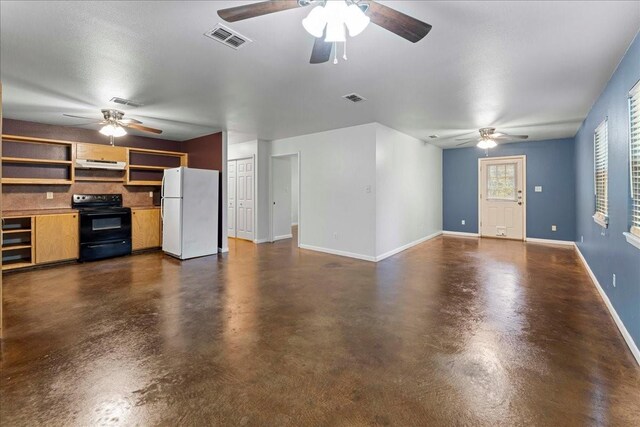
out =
column 104, row 225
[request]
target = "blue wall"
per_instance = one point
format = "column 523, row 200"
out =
column 606, row 250
column 549, row 164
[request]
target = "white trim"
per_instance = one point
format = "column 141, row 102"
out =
column 460, row 234
column 294, row 224
column 283, row 237
column 632, row 239
column 524, row 191
column 407, row 246
column 258, row 241
column 601, row 220
column 625, row 334
column 550, row 241
column 339, row 253
column 223, row 250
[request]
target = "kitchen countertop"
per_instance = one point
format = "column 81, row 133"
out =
column 30, row 212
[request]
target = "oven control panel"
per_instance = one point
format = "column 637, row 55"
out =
column 88, row 200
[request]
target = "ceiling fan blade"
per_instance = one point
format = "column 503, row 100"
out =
column 321, row 52
column 93, row 119
column 466, row 139
column 140, row 127
column 467, row 142
column 129, row 121
column 398, row 23
column 507, row 136
column 247, row 11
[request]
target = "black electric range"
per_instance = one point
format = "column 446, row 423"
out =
column 105, row 226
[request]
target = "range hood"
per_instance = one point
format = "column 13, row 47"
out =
column 100, row 164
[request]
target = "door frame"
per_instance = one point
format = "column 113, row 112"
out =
column 298, row 154
column 255, row 198
column 522, row 157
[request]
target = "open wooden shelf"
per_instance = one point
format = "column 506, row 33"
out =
column 37, row 181
column 18, row 242
column 15, row 247
column 144, row 183
column 21, row 230
column 98, row 179
column 151, row 168
column 8, row 265
column 36, row 161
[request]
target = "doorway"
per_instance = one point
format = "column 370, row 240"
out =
column 241, row 198
column 502, row 197
column 286, row 218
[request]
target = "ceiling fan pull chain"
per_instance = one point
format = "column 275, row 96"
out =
column 335, row 52
column 345, row 50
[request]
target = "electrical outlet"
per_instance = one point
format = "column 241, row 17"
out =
column 150, row 193
column 49, row 195
column 368, row 189
column 554, row 228
column 538, row 188
column 464, row 222
column 581, row 239
column 614, row 280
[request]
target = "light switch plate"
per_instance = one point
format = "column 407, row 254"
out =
column 464, row 222
column 538, row 188
column 554, row 228
column 49, row 195
column 150, row 193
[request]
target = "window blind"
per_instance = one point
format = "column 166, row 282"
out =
column 634, row 156
column 601, row 172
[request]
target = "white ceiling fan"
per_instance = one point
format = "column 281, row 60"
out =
column 489, row 138
column 114, row 124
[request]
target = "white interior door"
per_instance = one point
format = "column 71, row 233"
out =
column 245, row 199
column 502, row 198
column 281, row 191
column 231, row 196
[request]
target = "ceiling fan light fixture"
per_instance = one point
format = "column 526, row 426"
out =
column 316, row 21
column 335, row 33
column 485, row 144
column 355, row 20
column 113, row 130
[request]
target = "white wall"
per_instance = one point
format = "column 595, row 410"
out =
column 281, row 193
column 294, row 190
column 408, row 190
column 337, row 197
column 260, row 151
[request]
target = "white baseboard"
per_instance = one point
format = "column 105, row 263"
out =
column 550, row 241
column 283, row 237
column 223, row 250
column 339, row 253
column 459, row 234
column 623, row 330
column 258, row 241
column 407, row 246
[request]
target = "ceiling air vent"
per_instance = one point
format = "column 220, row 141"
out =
column 228, row 37
column 123, row 101
column 354, row 97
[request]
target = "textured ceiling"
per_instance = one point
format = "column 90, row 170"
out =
column 524, row 67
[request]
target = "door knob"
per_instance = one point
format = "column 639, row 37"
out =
column 520, row 203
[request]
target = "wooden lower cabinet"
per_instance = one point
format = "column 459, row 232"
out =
column 56, row 238
column 146, row 228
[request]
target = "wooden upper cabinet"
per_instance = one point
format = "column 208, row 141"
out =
column 108, row 153
column 146, row 228
column 56, row 237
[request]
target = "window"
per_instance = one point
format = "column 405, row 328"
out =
column 501, row 182
column 601, row 173
column 634, row 157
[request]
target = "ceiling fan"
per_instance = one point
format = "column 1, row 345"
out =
column 489, row 138
column 114, row 124
column 330, row 19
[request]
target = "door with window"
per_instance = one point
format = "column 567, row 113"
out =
column 241, row 206
column 502, row 197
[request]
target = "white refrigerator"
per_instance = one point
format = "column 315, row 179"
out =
column 189, row 209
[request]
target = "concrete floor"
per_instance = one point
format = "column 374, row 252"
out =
column 452, row 332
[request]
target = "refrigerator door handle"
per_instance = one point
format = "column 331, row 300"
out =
column 162, row 187
column 162, row 208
